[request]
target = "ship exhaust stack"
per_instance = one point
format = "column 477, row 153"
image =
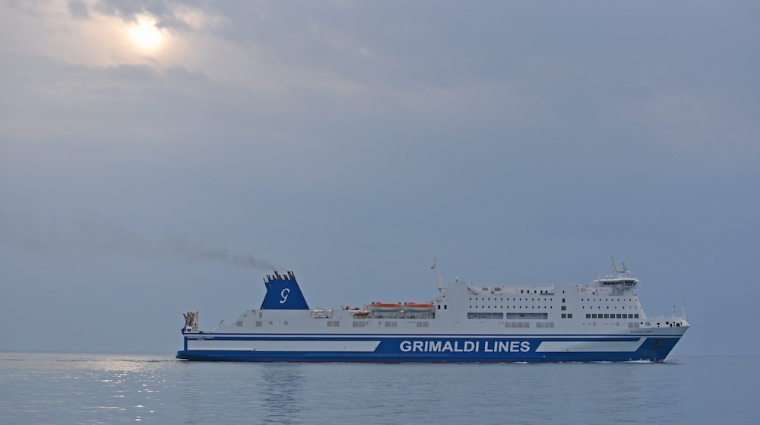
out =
column 283, row 293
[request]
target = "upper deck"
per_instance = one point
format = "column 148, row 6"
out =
column 608, row 304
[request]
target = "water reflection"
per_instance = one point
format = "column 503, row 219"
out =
column 128, row 389
column 63, row 388
column 282, row 386
column 238, row 392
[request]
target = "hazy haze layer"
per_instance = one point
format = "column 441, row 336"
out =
column 162, row 156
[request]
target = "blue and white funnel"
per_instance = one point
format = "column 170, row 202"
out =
column 283, row 293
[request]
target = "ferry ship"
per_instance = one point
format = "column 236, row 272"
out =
column 599, row 321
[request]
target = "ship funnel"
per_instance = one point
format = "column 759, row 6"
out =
column 283, row 293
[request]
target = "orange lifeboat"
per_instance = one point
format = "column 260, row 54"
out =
column 386, row 307
column 419, row 307
column 360, row 313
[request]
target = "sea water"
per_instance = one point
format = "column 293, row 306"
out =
column 110, row 389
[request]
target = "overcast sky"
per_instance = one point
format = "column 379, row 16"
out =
column 161, row 156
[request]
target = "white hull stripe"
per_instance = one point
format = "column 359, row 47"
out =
column 589, row 346
column 323, row 346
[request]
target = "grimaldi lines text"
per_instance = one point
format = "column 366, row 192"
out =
column 599, row 321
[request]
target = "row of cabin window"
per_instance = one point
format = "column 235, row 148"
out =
column 610, row 299
column 567, row 316
column 608, row 307
column 502, row 299
column 563, row 307
column 363, row 324
column 484, row 315
column 612, row 316
column 485, row 288
column 527, row 324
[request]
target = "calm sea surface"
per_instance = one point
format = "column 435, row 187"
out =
column 108, row 389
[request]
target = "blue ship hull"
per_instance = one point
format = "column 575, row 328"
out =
column 400, row 349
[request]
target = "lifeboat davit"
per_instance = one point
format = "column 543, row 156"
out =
column 386, row 307
column 419, row 307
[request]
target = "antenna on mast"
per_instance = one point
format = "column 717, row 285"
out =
column 440, row 283
column 614, row 265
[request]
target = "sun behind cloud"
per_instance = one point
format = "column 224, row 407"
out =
column 145, row 33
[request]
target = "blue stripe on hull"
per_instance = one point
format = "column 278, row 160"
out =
column 395, row 350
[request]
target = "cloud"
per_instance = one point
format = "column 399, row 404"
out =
column 79, row 9
column 174, row 15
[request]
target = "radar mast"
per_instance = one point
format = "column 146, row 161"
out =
column 435, row 268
